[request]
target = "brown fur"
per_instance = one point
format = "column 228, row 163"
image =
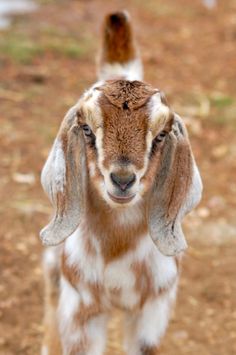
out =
column 143, row 282
column 102, row 220
column 135, row 93
column 126, row 139
column 179, row 181
column 51, row 336
column 118, row 44
column 71, row 273
column 149, row 350
column 87, row 312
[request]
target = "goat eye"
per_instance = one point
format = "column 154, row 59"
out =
column 87, row 130
column 157, row 140
column 160, row 137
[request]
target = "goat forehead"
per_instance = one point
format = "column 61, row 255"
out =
column 133, row 93
column 122, row 102
column 124, row 111
column 124, row 132
column 123, row 106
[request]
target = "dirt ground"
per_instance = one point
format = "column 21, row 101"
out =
column 46, row 61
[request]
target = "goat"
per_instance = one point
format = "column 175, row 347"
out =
column 121, row 176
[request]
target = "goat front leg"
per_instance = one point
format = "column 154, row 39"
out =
column 82, row 326
column 144, row 330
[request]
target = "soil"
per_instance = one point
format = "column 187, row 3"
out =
column 46, row 61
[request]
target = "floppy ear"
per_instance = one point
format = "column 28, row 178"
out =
column 176, row 191
column 64, row 180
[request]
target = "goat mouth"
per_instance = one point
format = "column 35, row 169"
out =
column 121, row 199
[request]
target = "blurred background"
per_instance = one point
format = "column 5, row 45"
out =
column 47, row 59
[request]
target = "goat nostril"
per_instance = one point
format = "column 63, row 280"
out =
column 131, row 180
column 123, row 182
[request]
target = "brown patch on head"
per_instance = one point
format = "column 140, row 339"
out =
column 134, row 94
column 125, row 120
column 118, row 45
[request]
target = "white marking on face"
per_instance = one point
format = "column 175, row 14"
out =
column 90, row 107
column 92, row 169
column 141, row 172
column 99, row 146
column 158, row 112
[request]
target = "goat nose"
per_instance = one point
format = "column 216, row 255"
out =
column 123, row 182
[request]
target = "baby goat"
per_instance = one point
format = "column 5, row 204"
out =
column 121, row 176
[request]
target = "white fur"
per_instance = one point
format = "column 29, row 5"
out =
column 118, row 274
column 44, row 350
column 144, row 249
column 164, row 269
column 92, row 267
column 86, row 296
column 59, row 167
column 153, row 321
column 51, row 257
column 130, row 215
column 96, row 332
column 69, row 303
column 53, row 177
column 92, row 169
column 158, row 111
column 90, row 106
column 132, row 70
column 148, row 327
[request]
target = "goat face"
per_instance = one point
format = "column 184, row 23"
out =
column 122, row 140
column 124, row 126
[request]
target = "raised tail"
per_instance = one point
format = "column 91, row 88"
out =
column 119, row 57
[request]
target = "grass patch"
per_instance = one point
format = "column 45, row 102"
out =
column 221, row 101
column 223, row 110
column 164, row 9
column 23, row 49
column 216, row 107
